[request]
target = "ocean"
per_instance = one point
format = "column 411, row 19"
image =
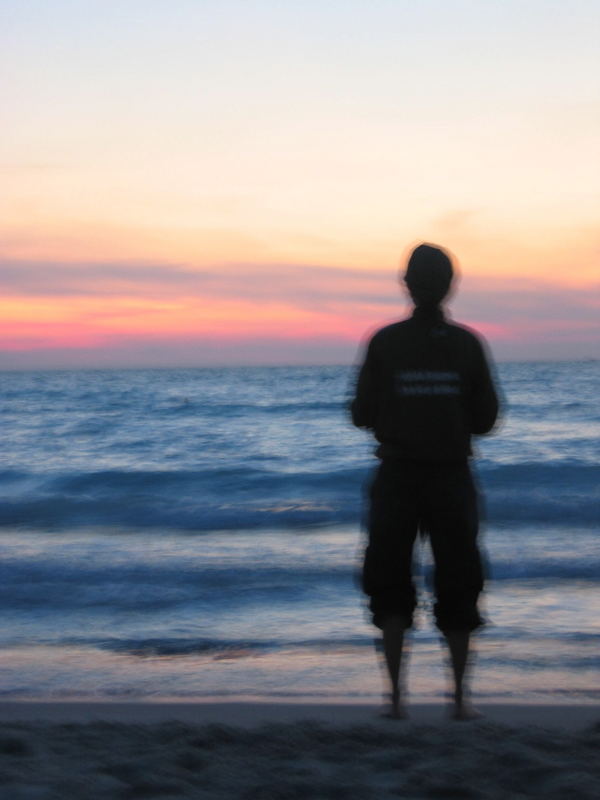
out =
column 196, row 533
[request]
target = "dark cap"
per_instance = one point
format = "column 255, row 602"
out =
column 428, row 275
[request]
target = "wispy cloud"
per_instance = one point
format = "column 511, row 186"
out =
column 203, row 311
column 293, row 283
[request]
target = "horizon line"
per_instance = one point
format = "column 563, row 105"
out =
column 164, row 367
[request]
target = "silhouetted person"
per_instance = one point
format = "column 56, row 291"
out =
column 424, row 389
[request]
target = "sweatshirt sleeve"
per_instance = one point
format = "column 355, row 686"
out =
column 362, row 407
column 484, row 397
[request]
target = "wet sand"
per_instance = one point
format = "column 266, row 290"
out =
column 294, row 750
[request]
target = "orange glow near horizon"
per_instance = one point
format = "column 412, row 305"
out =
column 241, row 191
column 88, row 323
column 568, row 258
column 92, row 322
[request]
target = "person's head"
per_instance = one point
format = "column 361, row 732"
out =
column 428, row 275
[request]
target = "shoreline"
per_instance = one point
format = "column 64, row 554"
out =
column 250, row 713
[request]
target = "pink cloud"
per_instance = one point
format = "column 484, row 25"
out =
column 266, row 311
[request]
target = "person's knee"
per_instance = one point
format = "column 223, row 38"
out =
column 393, row 603
column 457, row 611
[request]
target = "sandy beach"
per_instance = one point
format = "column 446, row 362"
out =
column 294, row 750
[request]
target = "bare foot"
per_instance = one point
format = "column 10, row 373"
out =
column 396, row 709
column 464, row 712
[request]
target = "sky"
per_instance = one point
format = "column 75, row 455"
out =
column 205, row 182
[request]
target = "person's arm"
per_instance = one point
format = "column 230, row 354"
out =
column 484, row 398
column 362, row 407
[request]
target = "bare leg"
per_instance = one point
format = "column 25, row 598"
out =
column 393, row 640
column 458, row 644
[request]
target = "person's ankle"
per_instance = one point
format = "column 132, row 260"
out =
column 397, row 707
